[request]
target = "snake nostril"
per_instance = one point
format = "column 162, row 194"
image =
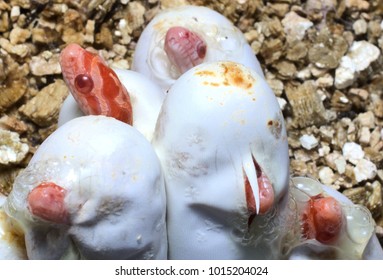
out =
column 83, row 83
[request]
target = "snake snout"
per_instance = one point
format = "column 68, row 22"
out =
column 46, row 201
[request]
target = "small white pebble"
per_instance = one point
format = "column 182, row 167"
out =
column 282, row 103
column 360, row 27
column 364, row 170
column 15, row 13
column 340, row 164
column 359, row 57
column 325, row 81
column 351, row 126
column 352, row 152
column 308, row 141
column 122, row 24
column 326, row 175
column 295, row 26
column 363, row 53
column 304, row 74
column 364, row 135
column 315, row 71
column 89, row 31
column 324, row 151
column 344, row 100
column 366, row 119
column 47, row 55
column 322, row 95
column 120, row 64
column 119, row 49
column 362, row 93
column 326, row 132
column 12, row 150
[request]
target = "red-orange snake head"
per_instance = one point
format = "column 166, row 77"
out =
column 323, row 219
column 46, row 201
column 94, row 85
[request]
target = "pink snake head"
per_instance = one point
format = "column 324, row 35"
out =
column 46, row 201
column 94, row 85
column 184, row 48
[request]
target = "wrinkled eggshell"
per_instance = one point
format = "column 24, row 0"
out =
column 115, row 194
column 357, row 240
column 215, row 120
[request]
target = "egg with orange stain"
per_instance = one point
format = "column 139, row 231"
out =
column 226, row 167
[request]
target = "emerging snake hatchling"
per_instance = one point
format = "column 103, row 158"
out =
column 198, row 172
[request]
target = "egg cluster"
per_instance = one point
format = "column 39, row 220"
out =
column 199, row 170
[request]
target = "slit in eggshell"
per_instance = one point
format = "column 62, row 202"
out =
column 265, row 192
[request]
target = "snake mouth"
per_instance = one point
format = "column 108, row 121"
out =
column 259, row 191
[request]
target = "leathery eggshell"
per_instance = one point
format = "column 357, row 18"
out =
column 224, row 42
column 220, row 127
column 114, row 194
column 356, row 239
column 146, row 98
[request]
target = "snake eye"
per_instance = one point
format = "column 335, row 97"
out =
column 201, row 51
column 83, row 83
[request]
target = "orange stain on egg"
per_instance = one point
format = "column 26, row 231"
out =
column 235, row 76
column 213, row 84
column 205, row 73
